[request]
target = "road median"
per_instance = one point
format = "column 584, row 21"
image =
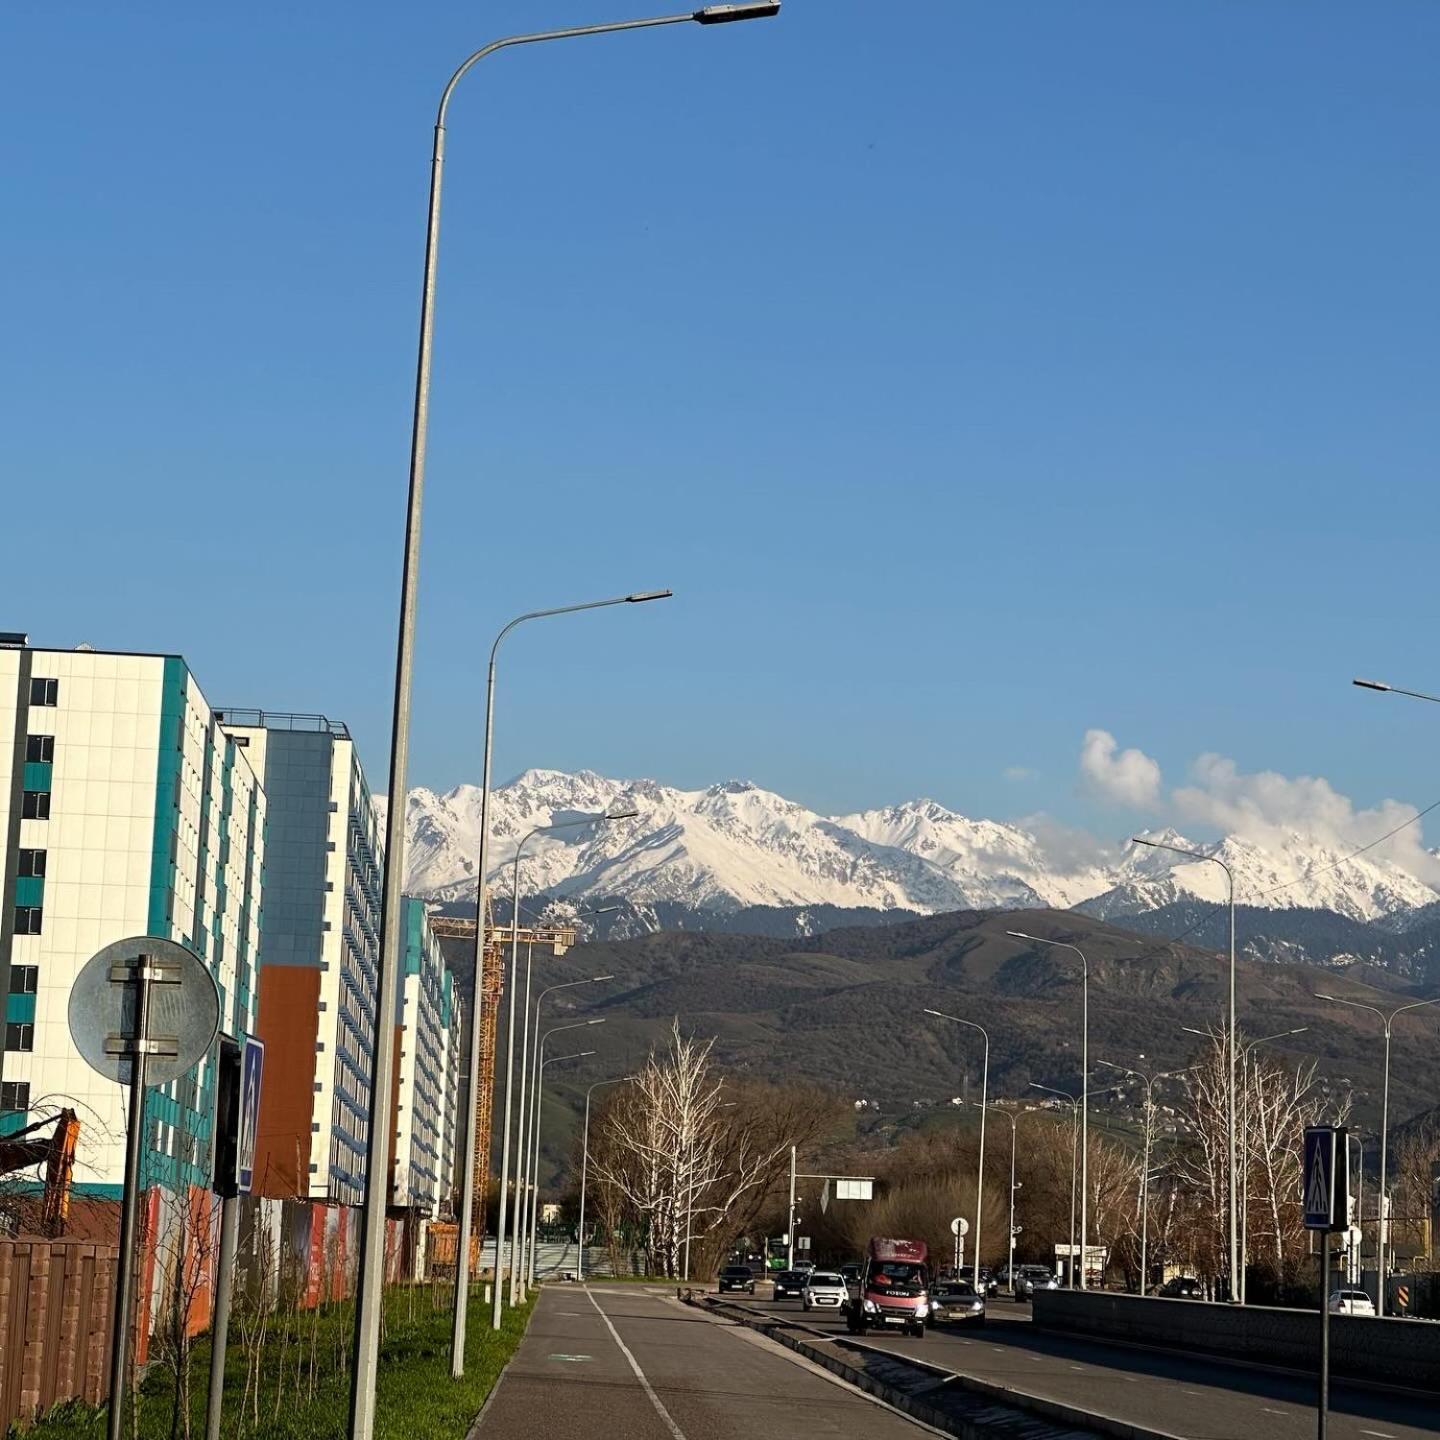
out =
column 959, row 1405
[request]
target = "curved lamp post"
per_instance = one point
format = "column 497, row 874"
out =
column 1150, row 1082
column 1084, row 1088
column 984, row 1106
column 527, row 1122
column 1013, row 1116
column 367, row 1308
column 1388, row 1020
column 585, row 1169
column 517, row 1230
column 540, row 1076
column 1199, row 855
column 528, row 1265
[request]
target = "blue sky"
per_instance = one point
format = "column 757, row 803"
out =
column 976, row 375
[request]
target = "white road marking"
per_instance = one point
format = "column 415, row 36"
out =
column 1379, row 1434
column 676, row 1432
column 1269, row 1411
column 574, row 1359
column 1130, row 1379
column 1077, row 1367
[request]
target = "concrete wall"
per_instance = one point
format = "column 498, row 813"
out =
column 1394, row 1352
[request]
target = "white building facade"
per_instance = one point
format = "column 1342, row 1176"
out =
column 125, row 810
column 318, row 956
column 426, row 1060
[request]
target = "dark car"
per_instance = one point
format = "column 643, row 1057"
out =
column 850, row 1274
column 789, row 1283
column 1181, row 1287
column 955, row 1302
column 736, row 1277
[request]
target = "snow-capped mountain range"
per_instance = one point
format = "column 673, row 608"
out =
column 733, row 846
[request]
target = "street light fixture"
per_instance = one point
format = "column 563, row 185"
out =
column 1013, row 1116
column 984, row 1096
column 1084, row 1087
column 527, row 1266
column 1395, row 690
column 1074, row 1132
column 1245, row 1152
column 517, row 1231
column 1150, row 1083
column 585, row 1170
column 1381, row 1248
column 366, row 1350
column 1200, row 855
column 527, row 1118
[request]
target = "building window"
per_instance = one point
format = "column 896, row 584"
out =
column 32, row 864
column 23, row 979
column 19, row 1036
column 44, row 692
column 15, row 1095
column 35, row 805
column 27, row 919
column 40, row 749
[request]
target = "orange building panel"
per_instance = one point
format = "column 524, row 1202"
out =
column 289, row 1025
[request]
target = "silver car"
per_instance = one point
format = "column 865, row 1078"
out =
column 824, row 1290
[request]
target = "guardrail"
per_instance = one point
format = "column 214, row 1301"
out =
column 1364, row 1349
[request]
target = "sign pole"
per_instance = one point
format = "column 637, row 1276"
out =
column 220, row 1321
column 129, row 1205
column 1324, row 1398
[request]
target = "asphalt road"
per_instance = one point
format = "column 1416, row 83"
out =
column 626, row 1364
column 1197, row 1398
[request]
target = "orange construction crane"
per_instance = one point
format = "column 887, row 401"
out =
column 557, row 939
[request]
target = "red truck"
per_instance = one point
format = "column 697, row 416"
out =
column 894, row 1288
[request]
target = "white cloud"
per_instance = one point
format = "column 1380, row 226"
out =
column 1267, row 807
column 1020, row 773
column 1125, row 777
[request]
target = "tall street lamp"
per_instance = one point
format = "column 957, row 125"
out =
column 984, row 1096
column 585, row 1170
column 467, row 1196
column 1200, row 855
column 1074, row 1133
column 517, row 1230
column 367, row 1324
column 527, row 1266
column 1084, row 1087
column 525, row 1132
column 1382, row 1248
column 539, row 1092
column 1245, row 1151
column 1150, row 1082
column 1013, row 1116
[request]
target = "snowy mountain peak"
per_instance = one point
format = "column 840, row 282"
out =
column 734, row 845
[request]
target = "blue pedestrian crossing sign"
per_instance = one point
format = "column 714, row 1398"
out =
column 252, row 1066
column 1325, row 1178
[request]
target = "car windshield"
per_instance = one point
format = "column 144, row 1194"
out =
column 741, row 1271
column 825, row 1278
column 958, row 1289
column 896, row 1272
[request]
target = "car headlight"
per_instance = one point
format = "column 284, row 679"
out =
column 922, row 1310
column 976, row 1306
column 871, row 1307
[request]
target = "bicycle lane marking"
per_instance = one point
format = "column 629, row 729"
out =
column 645, row 1385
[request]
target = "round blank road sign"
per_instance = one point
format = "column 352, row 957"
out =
column 960, row 1226
column 186, row 1013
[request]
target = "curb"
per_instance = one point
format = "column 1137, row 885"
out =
column 1090, row 1423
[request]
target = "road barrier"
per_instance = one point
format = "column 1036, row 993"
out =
column 1372, row 1351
